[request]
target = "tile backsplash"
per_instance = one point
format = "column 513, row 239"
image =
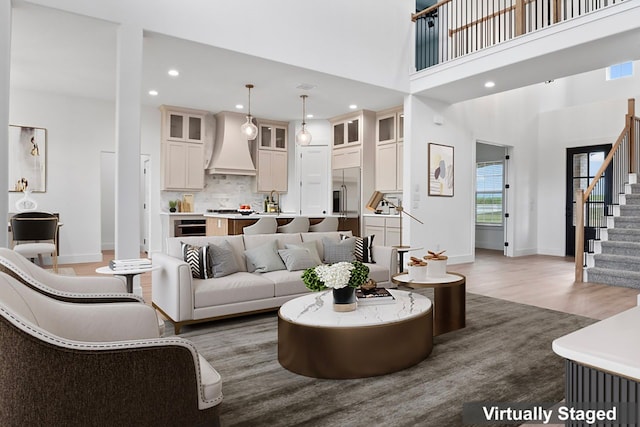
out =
column 220, row 192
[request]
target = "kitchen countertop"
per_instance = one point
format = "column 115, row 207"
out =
column 182, row 213
column 284, row 215
column 382, row 215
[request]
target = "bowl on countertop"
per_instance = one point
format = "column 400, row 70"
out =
column 245, row 211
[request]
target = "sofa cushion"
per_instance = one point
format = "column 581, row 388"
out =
column 342, row 250
column 264, row 258
column 317, row 237
column 199, row 260
column 363, row 252
column 236, row 287
column 287, row 282
column 174, row 245
column 298, row 259
column 311, row 247
column 223, row 262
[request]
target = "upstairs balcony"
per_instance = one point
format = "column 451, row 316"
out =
column 452, row 28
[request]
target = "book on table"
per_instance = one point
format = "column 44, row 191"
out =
column 374, row 296
column 130, row 264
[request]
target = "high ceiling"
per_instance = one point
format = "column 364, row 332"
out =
column 58, row 52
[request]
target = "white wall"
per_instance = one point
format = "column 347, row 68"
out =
column 290, row 31
column 78, row 130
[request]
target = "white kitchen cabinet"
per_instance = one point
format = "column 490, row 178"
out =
column 385, row 228
column 182, row 153
column 347, row 130
column 346, row 158
column 271, row 156
column 389, row 150
column 272, row 171
column 273, row 136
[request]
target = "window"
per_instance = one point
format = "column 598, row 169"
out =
column 489, row 192
column 619, row 71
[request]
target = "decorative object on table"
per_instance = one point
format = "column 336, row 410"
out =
column 417, row 269
column 437, row 264
column 378, row 197
column 187, row 203
column 173, row 205
column 369, row 284
column 27, row 158
column 26, row 203
column 249, row 129
column 374, row 296
column 303, row 137
column 440, row 170
column 342, row 278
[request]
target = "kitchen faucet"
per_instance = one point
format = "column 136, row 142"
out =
column 273, row 205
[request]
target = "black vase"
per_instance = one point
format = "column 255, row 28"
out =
column 344, row 299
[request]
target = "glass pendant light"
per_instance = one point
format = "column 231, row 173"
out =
column 249, row 129
column 303, row 137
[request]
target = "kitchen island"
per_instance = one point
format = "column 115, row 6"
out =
column 222, row 224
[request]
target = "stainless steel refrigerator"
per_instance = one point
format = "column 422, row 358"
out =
column 346, row 192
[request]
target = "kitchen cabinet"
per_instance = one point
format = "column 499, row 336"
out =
column 346, row 158
column 273, row 136
column 385, row 228
column 272, row 171
column 182, row 149
column 347, row 130
column 389, row 150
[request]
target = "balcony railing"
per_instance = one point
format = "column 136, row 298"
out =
column 452, row 28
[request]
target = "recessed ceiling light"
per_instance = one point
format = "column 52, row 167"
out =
column 239, row 106
column 153, row 92
column 309, row 116
column 489, row 84
column 353, row 106
column 174, row 73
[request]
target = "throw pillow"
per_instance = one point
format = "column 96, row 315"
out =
column 298, row 259
column 199, row 260
column 363, row 250
column 343, row 250
column 223, row 262
column 264, row 258
column 310, row 246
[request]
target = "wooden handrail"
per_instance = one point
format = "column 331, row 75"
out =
column 415, row 16
column 606, row 162
column 493, row 15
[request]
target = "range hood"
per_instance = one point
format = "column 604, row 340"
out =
column 231, row 154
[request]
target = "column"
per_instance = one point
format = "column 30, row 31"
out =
column 128, row 200
column 5, row 67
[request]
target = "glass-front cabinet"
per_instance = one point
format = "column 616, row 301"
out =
column 389, row 149
column 273, row 136
column 185, row 127
column 346, row 131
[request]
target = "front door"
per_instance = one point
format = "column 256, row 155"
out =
column 582, row 165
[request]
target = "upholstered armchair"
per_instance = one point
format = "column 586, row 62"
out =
column 97, row 364
column 16, row 264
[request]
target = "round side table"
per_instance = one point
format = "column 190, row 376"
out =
column 449, row 294
column 128, row 274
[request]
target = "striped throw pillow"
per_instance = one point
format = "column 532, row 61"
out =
column 199, row 260
column 363, row 250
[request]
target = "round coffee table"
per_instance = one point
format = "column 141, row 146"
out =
column 449, row 294
column 316, row 341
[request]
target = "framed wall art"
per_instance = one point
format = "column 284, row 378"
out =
column 440, row 170
column 27, row 159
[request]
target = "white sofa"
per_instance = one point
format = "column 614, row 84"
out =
column 186, row 300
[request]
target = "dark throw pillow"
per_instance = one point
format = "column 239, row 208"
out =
column 199, row 260
column 363, row 251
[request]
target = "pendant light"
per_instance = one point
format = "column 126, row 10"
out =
column 249, row 129
column 303, row 137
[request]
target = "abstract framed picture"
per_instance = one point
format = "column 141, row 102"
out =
column 440, row 170
column 27, row 159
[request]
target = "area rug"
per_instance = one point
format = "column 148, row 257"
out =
column 503, row 355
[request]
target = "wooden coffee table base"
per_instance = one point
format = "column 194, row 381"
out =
column 354, row 352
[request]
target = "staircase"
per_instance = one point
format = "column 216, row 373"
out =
column 616, row 257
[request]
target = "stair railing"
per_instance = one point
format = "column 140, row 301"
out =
column 625, row 158
column 452, row 28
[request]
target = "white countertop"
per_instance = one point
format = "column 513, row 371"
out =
column 382, row 215
column 258, row 215
column 316, row 309
column 612, row 345
column 182, row 213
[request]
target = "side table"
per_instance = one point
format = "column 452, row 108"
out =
column 401, row 251
column 449, row 305
column 128, row 274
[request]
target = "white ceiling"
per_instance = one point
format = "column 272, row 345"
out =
column 63, row 53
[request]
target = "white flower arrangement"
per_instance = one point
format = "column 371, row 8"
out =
column 336, row 275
